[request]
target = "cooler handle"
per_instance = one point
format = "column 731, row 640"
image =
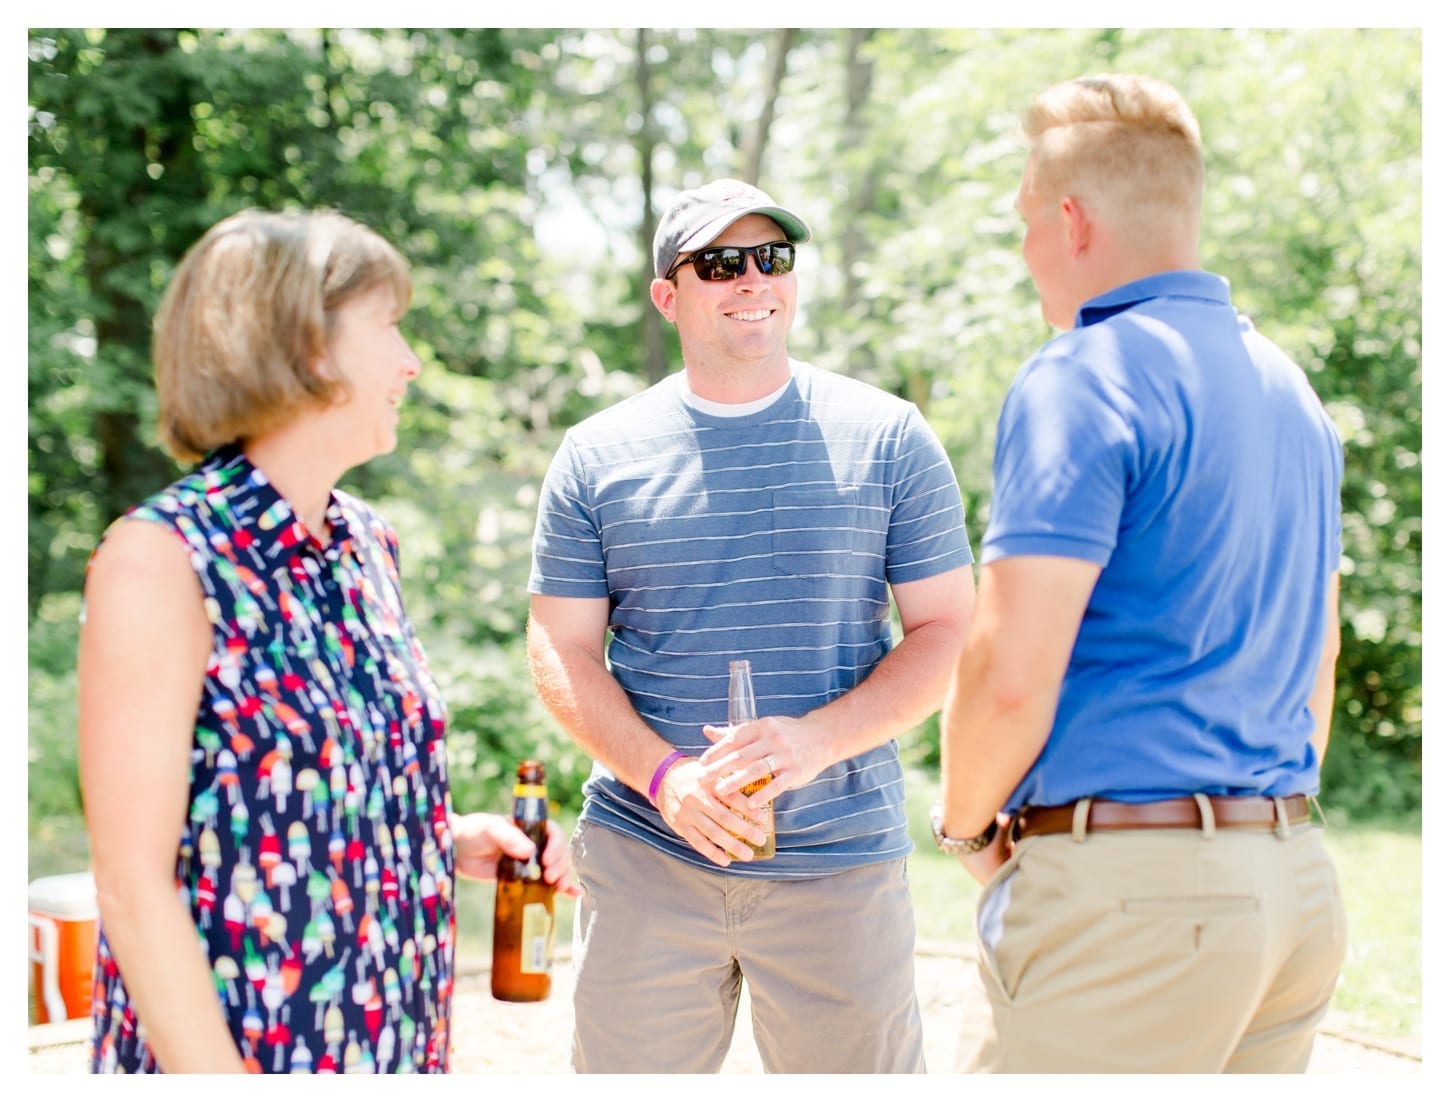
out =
column 47, row 955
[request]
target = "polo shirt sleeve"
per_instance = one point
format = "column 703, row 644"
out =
column 1065, row 456
column 568, row 556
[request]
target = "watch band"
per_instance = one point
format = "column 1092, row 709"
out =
column 957, row 847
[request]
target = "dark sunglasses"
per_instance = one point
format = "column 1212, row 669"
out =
column 728, row 261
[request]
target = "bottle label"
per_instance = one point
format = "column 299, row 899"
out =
column 538, row 939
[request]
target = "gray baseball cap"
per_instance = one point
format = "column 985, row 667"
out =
column 699, row 215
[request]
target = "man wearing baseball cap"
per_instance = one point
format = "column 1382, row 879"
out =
column 750, row 507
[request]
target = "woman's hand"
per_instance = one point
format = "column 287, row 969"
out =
column 481, row 838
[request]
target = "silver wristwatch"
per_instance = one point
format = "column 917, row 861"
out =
column 958, row 847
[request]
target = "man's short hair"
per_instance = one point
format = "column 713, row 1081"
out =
column 246, row 315
column 1126, row 144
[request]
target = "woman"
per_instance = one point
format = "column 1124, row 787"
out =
column 261, row 744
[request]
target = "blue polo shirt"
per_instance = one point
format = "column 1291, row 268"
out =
column 1164, row 439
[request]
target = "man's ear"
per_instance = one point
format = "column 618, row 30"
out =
column 662, row 294
column 1076, row 226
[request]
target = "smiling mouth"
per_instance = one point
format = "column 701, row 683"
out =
column 750, row 315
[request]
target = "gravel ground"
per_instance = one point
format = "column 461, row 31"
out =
column 533, row 1038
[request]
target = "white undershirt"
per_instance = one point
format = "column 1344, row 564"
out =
column 726, row 409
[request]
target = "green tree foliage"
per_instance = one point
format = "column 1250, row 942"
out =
column 114, row 196
column 522, row 170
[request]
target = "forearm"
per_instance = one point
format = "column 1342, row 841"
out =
column 594, row 711
column 905, row 688
column 167, row 976
column 1321, row 705
column 1321, row 699
column 909, row 683
column 589, row 704
column 990, row 736
column 1003, row 697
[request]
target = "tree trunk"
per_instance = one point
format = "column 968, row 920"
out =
column 862, row 195
column 754, row 154
column 129, row 469
column 651, row 325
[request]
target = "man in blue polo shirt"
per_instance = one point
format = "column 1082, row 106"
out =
column 754, row 507
column 1136, row 724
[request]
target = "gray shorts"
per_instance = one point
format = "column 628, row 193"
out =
column 661, row 948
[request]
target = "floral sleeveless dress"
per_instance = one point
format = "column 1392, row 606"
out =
column 316, row 858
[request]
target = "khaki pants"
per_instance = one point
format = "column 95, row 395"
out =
column 661, row 948
column 1158, row 951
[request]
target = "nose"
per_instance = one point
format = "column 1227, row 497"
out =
column 412, row 366
column 753, row 276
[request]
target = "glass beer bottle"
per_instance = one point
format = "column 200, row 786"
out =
column 740, row 708
column 523, row 909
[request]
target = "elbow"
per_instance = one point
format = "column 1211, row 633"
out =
column 1008, row 703
column 541, row 653
column 990, row 691
column 1329, row 659
column 126, row 901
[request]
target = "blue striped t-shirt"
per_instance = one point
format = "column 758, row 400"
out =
column 770, row 536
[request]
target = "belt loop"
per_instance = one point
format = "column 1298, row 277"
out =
column 1080, row 818
column 1205, row 814
column 1281, row 817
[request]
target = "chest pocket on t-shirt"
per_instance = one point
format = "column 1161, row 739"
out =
column 825, row 532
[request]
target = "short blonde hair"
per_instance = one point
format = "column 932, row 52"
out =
column 1128, row 143
column 246, row 315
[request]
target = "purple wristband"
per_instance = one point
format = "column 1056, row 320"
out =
column 664, row 767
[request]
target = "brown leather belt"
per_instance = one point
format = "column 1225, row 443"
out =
column 1182, row 813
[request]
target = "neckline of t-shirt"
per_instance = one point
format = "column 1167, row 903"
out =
column 731, row 410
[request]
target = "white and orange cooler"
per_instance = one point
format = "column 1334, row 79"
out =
column 62, row 945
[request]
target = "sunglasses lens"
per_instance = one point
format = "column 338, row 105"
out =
column 718, row 264
column 776, row 259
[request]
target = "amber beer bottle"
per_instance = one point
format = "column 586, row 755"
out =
column 523, row 909
column 740, row 708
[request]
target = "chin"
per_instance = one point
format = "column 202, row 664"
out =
column 376, row 449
